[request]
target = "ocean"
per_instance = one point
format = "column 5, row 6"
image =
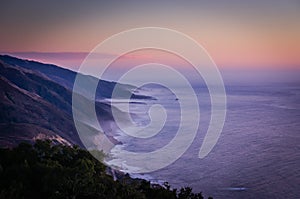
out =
column 256, row 156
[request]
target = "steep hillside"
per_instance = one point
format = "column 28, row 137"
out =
column 34, row 106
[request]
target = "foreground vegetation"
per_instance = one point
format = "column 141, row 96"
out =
column 47, row 170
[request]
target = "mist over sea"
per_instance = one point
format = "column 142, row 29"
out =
column 257, row 154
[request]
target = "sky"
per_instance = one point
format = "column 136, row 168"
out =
column 236, row 34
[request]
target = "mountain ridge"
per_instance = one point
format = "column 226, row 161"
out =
column 66, row 77
column 33, row 105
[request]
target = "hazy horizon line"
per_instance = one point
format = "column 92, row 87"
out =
column 64, row 55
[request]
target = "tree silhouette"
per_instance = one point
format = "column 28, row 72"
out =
column 47, row 170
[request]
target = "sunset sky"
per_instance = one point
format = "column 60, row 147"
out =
column 248, row 34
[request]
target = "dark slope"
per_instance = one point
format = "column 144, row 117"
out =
column 25, row 115
column 32, row 105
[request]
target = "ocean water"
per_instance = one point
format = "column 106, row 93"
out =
column 256, row 156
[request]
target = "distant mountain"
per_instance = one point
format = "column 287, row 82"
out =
column 67, row 77
column 36, row 103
